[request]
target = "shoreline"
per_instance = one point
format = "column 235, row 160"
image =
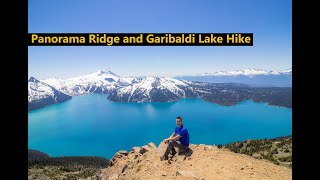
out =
column 196, row 144
column 133, row 102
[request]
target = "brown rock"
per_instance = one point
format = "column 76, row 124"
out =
column 202, row 146
column 205, row 162
column 113, row 177
column 144, row 149
column 147, row 148
column 120, row 154
column 185, row 173
column 123, row 152
column 124, row 168
column 161, row 148
column 137, row 161
column 181, row 158
column 135, row 149
column 152, row 145
column 130, row 166
column 136, row 156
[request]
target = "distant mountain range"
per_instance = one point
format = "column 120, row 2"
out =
column 155, row 89
column 96, row 82
column 150, row 89
column 252, row 77
column 41, row 94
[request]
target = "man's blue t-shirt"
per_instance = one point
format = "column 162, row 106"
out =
column 183, row 132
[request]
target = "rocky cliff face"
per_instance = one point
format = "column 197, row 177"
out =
column 204, row 162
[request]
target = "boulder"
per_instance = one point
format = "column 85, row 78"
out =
column 123, row 152
column 147, row 148
column 181, row 158
column 118, row 155
column 144, row 149
column 208, row 147
column 113, row 177
column 202, row 146
column 152, row 145
column 162, row 148
column 185, row 173
column 135, row 149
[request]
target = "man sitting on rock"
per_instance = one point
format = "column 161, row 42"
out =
column 179, row 139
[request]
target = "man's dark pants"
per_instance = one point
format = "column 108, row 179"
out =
column 172, row 144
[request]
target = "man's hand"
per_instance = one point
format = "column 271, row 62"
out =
column 166, row 141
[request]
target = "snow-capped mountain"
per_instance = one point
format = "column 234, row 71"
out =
column 253, row 77
column 163, row 89
column 41, row 94
column 155, row 89
column 102, row 81
column 159, row 89
column 246, row 72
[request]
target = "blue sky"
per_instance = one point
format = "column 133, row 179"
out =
column 269, row 21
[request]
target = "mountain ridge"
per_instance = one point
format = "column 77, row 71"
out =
column 159, row 89
column 246, row 71
column 41, row 94
column 252, row 77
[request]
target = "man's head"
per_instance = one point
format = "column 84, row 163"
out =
column 179, row 121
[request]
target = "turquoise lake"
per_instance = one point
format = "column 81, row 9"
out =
column 91, row 125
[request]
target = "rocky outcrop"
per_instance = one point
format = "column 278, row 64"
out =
column 204, row 162
column 147, row 148
column 118, row 155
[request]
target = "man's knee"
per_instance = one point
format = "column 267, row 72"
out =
column 171, row 142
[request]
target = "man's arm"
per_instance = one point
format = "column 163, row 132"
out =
column 172, row 137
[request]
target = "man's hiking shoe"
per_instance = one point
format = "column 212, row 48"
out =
column 163, row 158
column 182, row 151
